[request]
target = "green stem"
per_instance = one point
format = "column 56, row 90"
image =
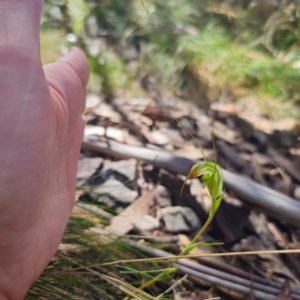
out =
column 185, row 251
column 193, row 241
column 208, row 221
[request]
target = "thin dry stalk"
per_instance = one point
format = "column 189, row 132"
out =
column 172, row 257
column 171, row 287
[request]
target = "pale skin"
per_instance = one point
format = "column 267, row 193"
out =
column 40, row 135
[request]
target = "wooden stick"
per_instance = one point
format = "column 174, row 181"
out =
column 272, row 202
column 216, row 276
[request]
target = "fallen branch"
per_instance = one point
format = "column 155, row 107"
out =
column 243, row 286
column 272, row 202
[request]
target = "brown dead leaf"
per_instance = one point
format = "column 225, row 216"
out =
column 282, row 242
column 284, row 163
column 229, row 152
column 269, row 264
column 227, row 134
column 126, row 220
column 104, row 110
column 156, row 113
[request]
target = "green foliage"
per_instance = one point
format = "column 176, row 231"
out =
column 243, row 47
column 80, row 222
column 50, row 40
column 78, row 11
column 107, row 73
column 231, row 66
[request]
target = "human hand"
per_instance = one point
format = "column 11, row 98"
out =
column 40, row 136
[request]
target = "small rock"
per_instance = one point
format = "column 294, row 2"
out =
column 92, row 100
column 106, row 201
column 127, row 168
column 163, row 196
column 159, row 137
column 104, row 110
column 178, row 219
column 147, row 223
column 87, row 166
column 116, row 190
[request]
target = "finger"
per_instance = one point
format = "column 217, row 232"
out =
column 19, row 29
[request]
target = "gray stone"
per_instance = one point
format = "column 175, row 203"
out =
column 116, row 190
column 163, row 196
column 92, row 100
column 147, row 223
column 127, row 168
column 87, row 166
column 159, row 137
column 178, row 219
column 106, row 201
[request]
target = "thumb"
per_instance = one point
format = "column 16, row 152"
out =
column 68, row 77
column 77, row 60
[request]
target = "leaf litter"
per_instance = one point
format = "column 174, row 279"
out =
column 239, row 149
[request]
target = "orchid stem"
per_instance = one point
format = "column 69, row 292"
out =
column 183, row 252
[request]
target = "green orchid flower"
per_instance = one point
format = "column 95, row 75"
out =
column 211, row 174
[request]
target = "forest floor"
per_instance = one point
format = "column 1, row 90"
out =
column 128, row 186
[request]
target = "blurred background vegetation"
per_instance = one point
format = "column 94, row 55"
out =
column 204, row 51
